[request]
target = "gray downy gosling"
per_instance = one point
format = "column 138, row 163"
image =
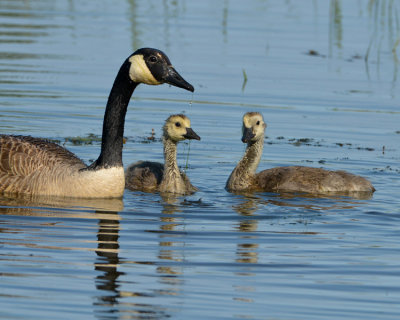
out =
column 36, row 167
column 154, row 176
column 285, row 179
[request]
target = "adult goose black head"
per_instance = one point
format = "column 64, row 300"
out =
column 38, row 167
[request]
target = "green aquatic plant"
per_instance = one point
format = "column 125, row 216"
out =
column 244, row 79
column 89, row 139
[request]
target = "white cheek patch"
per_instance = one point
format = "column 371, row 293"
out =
column 139, row 72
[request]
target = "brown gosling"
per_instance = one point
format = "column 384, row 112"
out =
column 37, row 167
column 285, row 179
column 154, row 176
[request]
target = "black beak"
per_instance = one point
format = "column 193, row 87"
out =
column 174, row 78
column 190, row 134
column 247, row 135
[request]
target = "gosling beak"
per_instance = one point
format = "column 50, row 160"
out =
column 190, row 134
column 174, row 78
column 247, row 135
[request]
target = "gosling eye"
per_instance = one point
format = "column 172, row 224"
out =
column 177, row 124
column 153, row 59
column 258, row 122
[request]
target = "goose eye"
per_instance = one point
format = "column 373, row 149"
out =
column 153, row 59
column 178, row 124
column 258, row 122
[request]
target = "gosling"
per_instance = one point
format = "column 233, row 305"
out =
column 285, row 179
column 150, row 176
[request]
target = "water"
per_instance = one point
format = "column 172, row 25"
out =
column 324, row 75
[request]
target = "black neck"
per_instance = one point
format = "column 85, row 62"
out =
column 114, row 120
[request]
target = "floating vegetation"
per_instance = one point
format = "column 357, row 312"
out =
column 297, row 142
column 315, row 53
column 90, row 139
column 79, row 141
column 304, row 141
column 386, row 169
column 153, row 135
column 54, row 141
column 355, row 57
column 341, row 144
column 366, row 148
column 145, row 140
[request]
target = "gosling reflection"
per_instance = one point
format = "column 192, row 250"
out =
column 252, row 202
column 247, row 252
column 169, row 223
column 306, row 201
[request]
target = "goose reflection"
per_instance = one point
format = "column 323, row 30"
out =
column 111, row 300
column 107, row 262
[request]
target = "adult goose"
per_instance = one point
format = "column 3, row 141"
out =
column 292, row 179
column 154, row 176
column 37, row 167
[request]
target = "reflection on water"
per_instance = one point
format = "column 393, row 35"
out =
column 247, row 252
column 335, row 25
column 383, row 31
column 113, row 300
column 253, row 200
column 27, row 203
column 107, row 264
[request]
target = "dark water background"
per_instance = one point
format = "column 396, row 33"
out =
column 325, row 76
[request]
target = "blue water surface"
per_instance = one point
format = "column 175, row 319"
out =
column 325, row 76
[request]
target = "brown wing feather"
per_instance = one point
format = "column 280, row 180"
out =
column 24, row 159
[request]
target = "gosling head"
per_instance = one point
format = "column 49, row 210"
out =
column 177, row 128
column 253, row 127
column 152, row 66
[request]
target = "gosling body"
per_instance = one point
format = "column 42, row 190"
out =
column 285, row 179
column 37, row 167
column 165, row 178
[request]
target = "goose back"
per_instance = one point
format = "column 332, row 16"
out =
column 311, row 180
column 34, row 166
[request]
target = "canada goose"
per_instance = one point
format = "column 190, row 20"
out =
column 35, row 166
column 296, row 178
column 154, row 176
